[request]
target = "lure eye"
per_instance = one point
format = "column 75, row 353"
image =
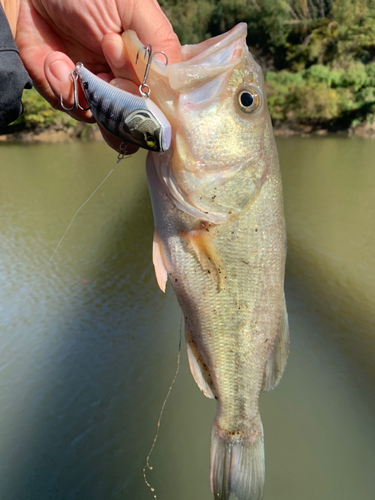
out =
column 249, row 100
column 150, row 141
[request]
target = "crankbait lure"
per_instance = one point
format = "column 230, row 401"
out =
column 133, row 119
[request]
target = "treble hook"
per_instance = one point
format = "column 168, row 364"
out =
column 76, row 105
column 144, row 89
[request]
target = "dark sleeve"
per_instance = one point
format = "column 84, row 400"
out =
column 13, row 76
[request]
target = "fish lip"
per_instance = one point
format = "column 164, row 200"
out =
column 205, row 61
column 203, row 49
column 213, row 45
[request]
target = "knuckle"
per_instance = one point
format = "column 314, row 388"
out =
column 168, row 43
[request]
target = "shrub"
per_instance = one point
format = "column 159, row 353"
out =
column 39, row 114
column 321, row 96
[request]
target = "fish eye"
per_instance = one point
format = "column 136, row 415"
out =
column 249, row 100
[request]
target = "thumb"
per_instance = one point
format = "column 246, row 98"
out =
column 153, row 27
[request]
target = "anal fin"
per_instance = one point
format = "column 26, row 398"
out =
column 197, row 368
column 277, row 361
column 158, row 261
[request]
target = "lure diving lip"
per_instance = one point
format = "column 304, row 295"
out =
column 131, row 118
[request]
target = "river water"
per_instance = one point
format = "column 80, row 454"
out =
column 89, row 350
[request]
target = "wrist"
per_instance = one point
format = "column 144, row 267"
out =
column 11, row 9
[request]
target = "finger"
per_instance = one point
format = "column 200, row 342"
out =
column 152, row 26
column 117, row 57
column 58, row 68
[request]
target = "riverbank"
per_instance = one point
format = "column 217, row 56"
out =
column 298, row 129
column 55, row 135
column 85, row 132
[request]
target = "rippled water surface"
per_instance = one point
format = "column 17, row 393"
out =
column 87, row 356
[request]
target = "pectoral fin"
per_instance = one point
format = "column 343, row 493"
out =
column 207, row 255
column 158, row 261
column 199, row 371
column 276, row 363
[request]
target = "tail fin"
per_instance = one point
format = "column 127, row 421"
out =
column 237, row 467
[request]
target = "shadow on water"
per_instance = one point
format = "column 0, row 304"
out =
column 330, row 210
column 88, row 359
column 324, row 439
column 352, row 321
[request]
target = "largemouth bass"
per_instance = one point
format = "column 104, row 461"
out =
column 220, row 239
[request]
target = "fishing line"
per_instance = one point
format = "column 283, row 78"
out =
column 148, row 466
column 121, row 156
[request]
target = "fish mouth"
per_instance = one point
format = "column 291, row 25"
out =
column 199, row 62
column 207, row 60
column 195, row 53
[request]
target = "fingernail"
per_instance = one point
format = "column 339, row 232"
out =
column 60, row 71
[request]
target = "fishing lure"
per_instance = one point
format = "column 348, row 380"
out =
column 133, row 119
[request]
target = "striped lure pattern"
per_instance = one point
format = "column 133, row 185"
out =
column 133, row 119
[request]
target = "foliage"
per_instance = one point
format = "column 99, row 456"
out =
column 323, row 96
column 318, row 56
column 39, row 114
column 190, row 18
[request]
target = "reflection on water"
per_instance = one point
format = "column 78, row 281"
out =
column 87, row 359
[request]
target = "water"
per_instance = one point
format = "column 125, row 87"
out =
column 86, row 361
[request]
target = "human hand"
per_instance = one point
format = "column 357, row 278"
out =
column 52, row 36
